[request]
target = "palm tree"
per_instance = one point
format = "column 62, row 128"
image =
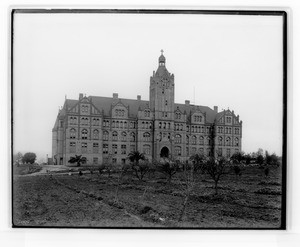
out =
column 77, row 159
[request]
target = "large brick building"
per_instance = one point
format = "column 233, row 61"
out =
column 104, row 129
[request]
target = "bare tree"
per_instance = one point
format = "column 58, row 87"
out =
column 216, row 168
column 168, row 167
column 187, row 187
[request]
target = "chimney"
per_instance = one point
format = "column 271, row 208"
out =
column 139, row 97
column 187, row 102
column 80, row 96
column 216, row 109
column 115, row 96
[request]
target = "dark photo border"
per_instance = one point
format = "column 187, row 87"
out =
column 281, row 13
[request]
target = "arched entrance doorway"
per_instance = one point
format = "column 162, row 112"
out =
column 164, row 152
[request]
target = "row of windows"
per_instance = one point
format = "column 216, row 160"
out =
column 164, row 125
column 147, row 113
column 178, row 127
column 120, row 113
column 147, row 137
column 197, row 118
column 199, row 129
column 228, row 141
column 177, row 115
column 84, row 108
column 146, row 149
column 73, row 120
column 146, row 125
column 115, row 136
column 84, row 147
column 119, row 124
column 228, row 130
column 84, row 134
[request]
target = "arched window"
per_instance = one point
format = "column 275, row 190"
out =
column 115, row 136
column 194, row 140
column 208, row 140
column 105, row 135
column 96, row 134
column 84, row 133
column 236, row 142
column 132, row 137
column 177, row 138
column 123, row 136
column 146, row 137
column 228, row 141
column 201, row 140
column 220, row 141
column 72, row 133
column 187, row 139
column 147, row 113
column 117, row 124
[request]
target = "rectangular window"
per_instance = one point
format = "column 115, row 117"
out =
column 95, row 147
column 72, row 147
column 95, row 160
column 123, row 149
column 84, row 147
column 114, row 160
column 115, row 148
column 105, row 148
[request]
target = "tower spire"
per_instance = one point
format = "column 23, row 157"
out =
column 162, row 59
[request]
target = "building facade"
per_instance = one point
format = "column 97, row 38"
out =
column 106, row 130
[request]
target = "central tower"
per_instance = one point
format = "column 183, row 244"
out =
column 162, row 105
column 162, row 91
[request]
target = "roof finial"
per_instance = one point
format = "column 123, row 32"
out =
column 162, row 52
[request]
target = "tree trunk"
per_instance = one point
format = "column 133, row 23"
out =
column 216, row 187
column 184, row 207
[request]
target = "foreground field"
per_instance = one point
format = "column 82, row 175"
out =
column 91, row 200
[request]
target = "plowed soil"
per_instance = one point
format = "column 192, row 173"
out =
column 94, row 200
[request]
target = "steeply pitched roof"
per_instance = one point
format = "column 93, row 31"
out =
column 104, row 104
column 210, row 114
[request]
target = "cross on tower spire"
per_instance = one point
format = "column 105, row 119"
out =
column 162, row 52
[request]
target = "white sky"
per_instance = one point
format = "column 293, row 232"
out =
column 231, row 61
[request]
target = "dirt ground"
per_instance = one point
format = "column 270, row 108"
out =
column 92, row 200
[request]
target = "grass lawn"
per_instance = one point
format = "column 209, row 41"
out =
column 91, row 200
